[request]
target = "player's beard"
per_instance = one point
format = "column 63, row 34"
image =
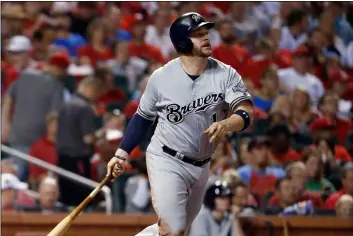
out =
column 202, row 52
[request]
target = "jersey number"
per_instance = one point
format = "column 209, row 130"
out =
column 214, row 117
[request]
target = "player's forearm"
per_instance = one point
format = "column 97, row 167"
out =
column 235, row 122
column 134, row 134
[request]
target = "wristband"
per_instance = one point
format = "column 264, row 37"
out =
column 243, row 114
column 120, row 157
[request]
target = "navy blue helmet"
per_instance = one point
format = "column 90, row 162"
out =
column 218, row 189
column 182, row 27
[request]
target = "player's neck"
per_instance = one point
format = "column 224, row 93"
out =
column 194, row 65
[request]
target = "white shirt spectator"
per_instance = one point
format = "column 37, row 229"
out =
column 348, row 56
column 344, row 109
column 288, row 41
column 310, row 82
column 162, row 42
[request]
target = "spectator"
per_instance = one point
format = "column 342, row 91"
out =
column 280, row 111
column 332, row 155
column 13, row 16
column 8, row 166
column 244, row 154
column 76, row 137
column 126, row 69
column 83, row 14
column 268, row 89
column 111, row 94
column 295, row 32
column 40, row 49
column 115, row 119
column 228, row 51
column 286, row 198
column 107, row 146
column 333, row 42
column 157, row 34
column 348, row 56
column 299, row 75
column 64, row 38
column 328, row 107
column 112, row 17
column 258, row 112
column 245, row 25
column 214, row 218
column 10, row 186
column 18, row 50
column 44, row 149
column 48, row 198
column 132, row 106
column 33, row 95
column 302, row 111
column 138, row 46
column 316, row 44
column 96, row 52
column 242, row 199
column 315, row 167
column 231, row 177
column 347, row 186
column 339, row 81
column 342, row 28
column 137, row 190
column 258, row 174
column 297, row 172
column 344, row 206
column 281, row 138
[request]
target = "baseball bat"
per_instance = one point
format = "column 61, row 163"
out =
column 64, row 225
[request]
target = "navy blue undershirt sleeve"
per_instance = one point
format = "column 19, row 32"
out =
column 135, row 132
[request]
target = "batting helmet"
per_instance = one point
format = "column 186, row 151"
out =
column 218, row 189
column 182, row 27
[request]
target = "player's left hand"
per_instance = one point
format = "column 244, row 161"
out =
column 216, row 131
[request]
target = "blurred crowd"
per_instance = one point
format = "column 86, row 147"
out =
column 72, row 74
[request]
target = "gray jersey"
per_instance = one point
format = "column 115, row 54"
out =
column 186, row 107
column 206, row 225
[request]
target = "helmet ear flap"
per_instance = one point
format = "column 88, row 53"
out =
column 185, row 46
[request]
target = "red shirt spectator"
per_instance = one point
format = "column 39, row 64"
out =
column 328, row 106
column 266, row 57
column 289, row 156
column 314, row 197
column 281, row 151
column 341, row 153
column 43, row 149
column 96, row 50
column 331, row 201
column 139, row 48
column 94, row 55
column 347, row 183
column 234, row 55
column 131, row 108
column 146, row 51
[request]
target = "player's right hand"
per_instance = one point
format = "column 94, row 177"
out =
column 115, row 167
column 216, row 132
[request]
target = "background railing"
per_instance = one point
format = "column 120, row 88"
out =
column 62, row 172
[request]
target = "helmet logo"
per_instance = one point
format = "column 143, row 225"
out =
column 196, row 17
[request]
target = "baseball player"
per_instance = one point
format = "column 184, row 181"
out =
column 197, row 99
column 217, row 217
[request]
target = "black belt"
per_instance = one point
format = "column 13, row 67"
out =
column 185, row 158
